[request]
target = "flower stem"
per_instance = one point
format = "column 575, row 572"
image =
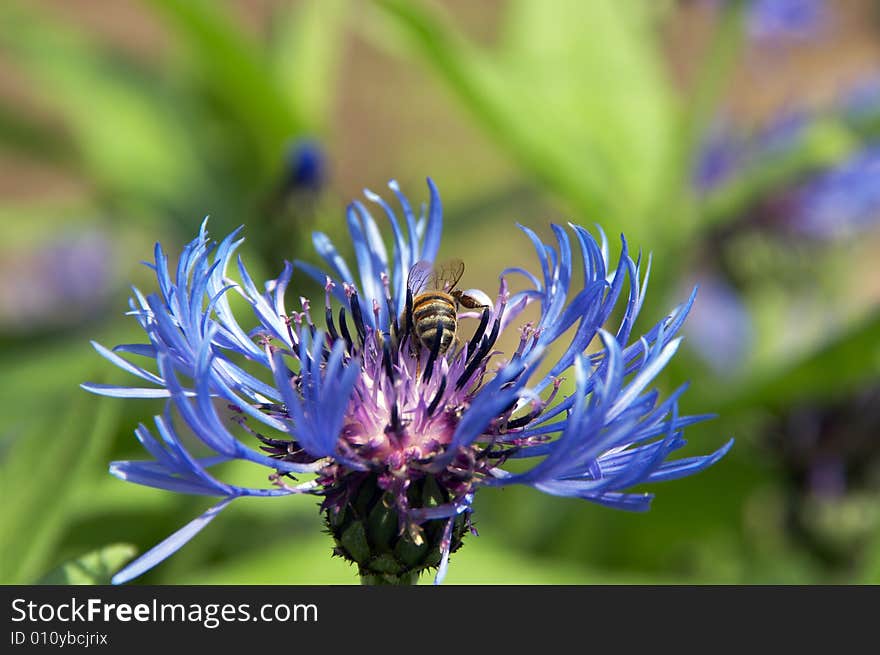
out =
column 409, row 578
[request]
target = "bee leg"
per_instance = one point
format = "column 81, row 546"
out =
column 469, row 301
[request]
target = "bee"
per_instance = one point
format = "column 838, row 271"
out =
column 433, row 313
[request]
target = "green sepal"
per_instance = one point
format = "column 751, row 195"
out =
column 410, row 553
column 367, row 531
column 383, row 525
column 354, row 542
column 387, row 563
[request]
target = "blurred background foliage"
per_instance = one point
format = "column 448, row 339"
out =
column 735, row 141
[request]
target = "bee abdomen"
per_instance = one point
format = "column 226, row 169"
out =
column 432, row 312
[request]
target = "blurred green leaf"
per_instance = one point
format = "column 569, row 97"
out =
column 833, row 369
column 41, row 467
column 128, row 138
column 489, row 561
column 204, row 130
column 307, row 46
column 576, row 94
column 308, row 561
column 21, row 133
column 28, row 225
column 37, row 377
column 871, row 570
column 94, row 568
column 235, row 72
column 109, row 495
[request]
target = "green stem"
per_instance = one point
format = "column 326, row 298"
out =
column 409, row 578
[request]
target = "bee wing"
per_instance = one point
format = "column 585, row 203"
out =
column 447, row 274
column 419, row 276
column 425, row 276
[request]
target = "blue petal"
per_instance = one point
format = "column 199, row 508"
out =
column 403, row 255
column 688, row 466
column 320, row 277
column 126, row 365
column 490, row 401
column 125, row 392
column 411, row 230
column 169, row 546
column 644, row 377
column 141, row 473
column 435, row 225
column 327, row 251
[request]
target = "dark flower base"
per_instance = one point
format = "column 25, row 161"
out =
column 367, row 531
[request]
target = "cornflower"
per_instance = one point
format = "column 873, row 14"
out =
column 393, row 423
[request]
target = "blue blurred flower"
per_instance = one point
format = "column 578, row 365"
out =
column 720, row 156
column 720, row 327
column 728, row 150
column 774, row 21
column 305, row 166
column 840, row 202
column 861, row 102
column 782, row 134
column 398, row 433
column 785, row 19
column 75, row 270
column 289, row 211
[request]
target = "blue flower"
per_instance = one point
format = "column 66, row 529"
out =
column 776, row 21
column 394, row 431
column 839, row 202
column 305, row 167
column 76, row 268
column 728, row 152
column 721, row 156
column 720, row 327
column 785, row 19
column 860, row 103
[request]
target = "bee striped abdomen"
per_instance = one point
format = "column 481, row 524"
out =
column 433, row 311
